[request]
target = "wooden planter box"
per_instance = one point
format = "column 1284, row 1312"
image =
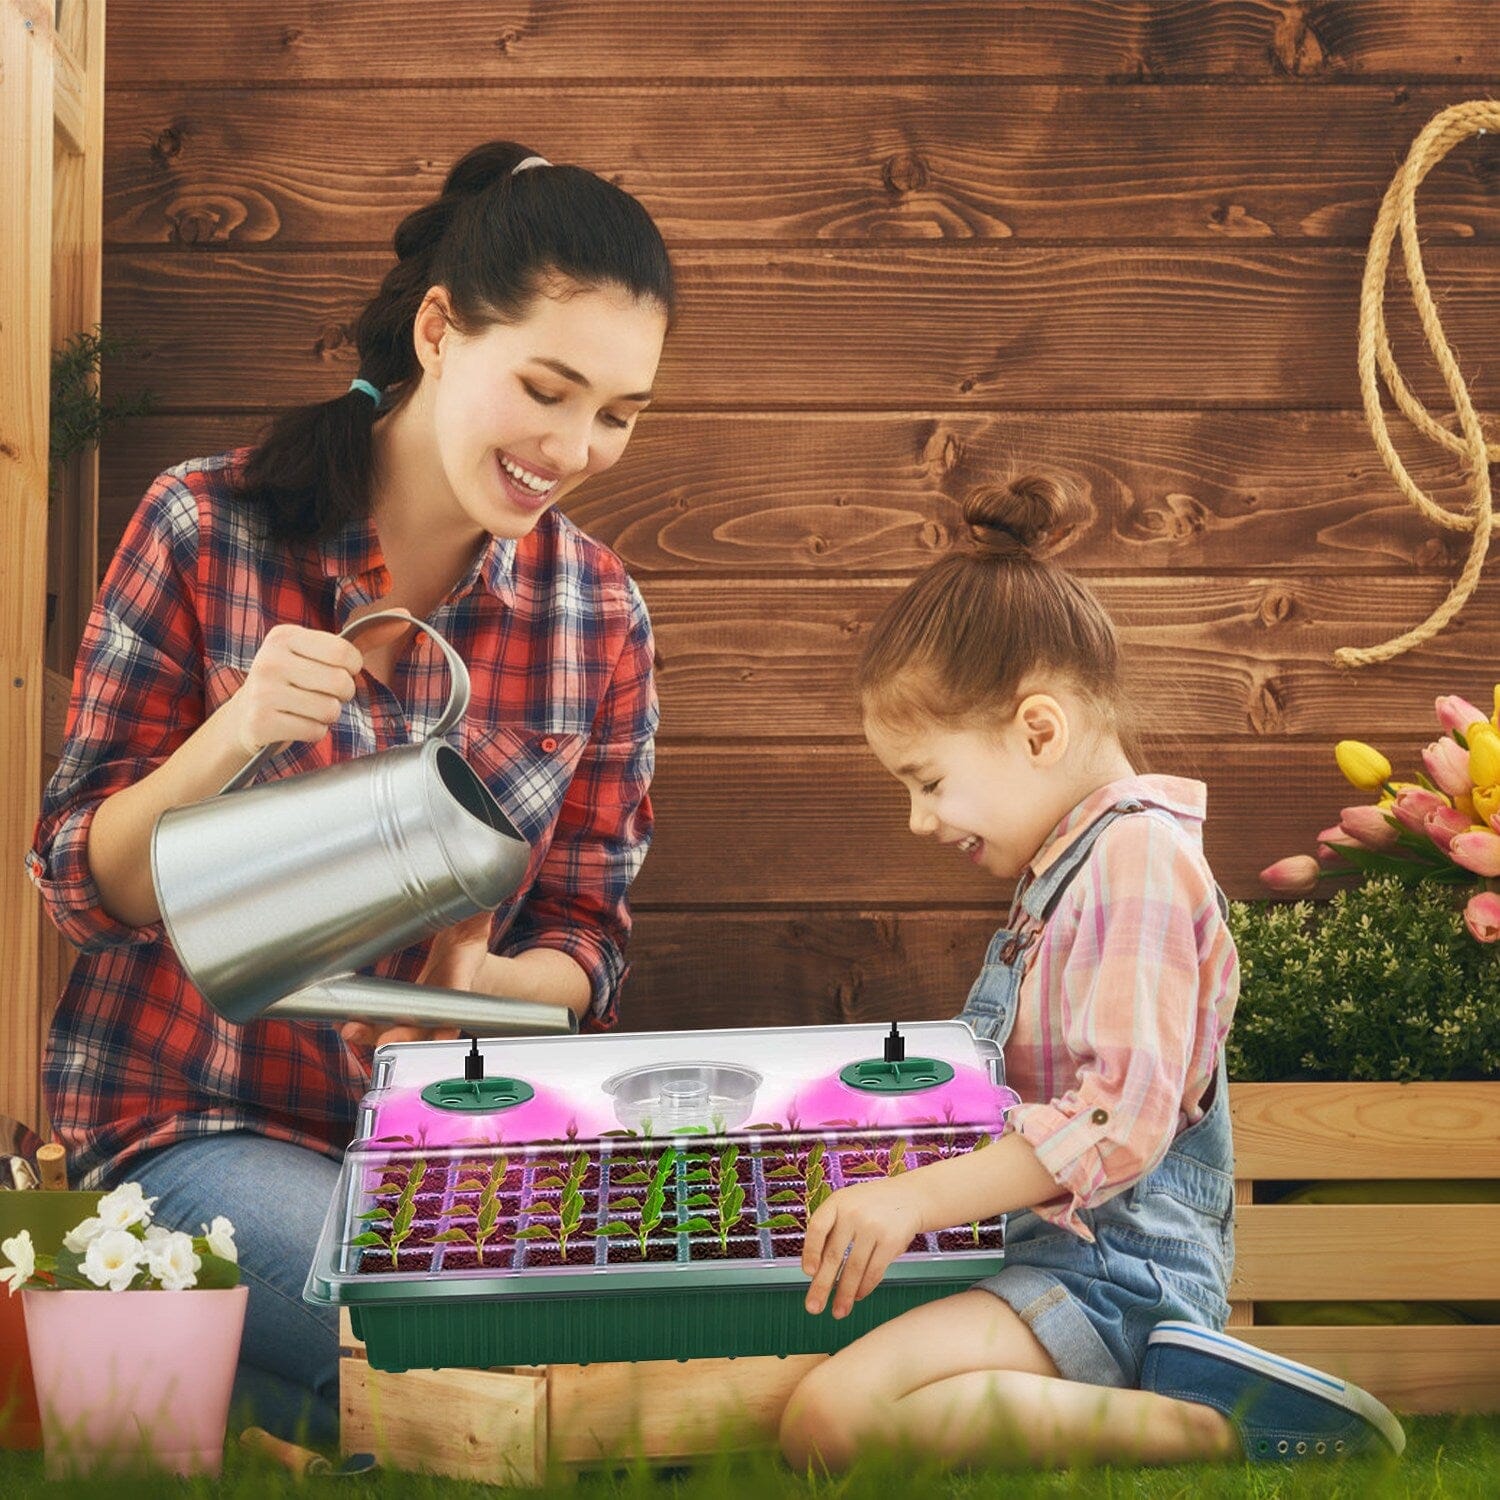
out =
column 513, row 1425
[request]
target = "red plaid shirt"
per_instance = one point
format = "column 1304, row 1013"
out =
column 560, row 727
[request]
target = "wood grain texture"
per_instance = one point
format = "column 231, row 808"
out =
column 1366, row 1130
column 1423, row 1371
column 489, row 1425
column 1001, row 328
column 697, row 970
column 786, row 161
column 26, row 149
column 804, row 494
column 668, row 1409
column 1206, row 657
column 1130, row 41
column 813, row 826
column 1306, row 1252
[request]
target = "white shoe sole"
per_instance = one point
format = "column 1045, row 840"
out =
column 1274, row 1367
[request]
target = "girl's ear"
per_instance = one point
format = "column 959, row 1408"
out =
column 1045, row 726
column 430, row 328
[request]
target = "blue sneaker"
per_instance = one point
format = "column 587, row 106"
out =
column 1281, row 1410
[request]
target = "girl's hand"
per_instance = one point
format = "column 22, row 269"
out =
column 872, row 1223
column 298, row 684
column 453, row 963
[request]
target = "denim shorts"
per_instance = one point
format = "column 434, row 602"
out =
column 1092, row 1306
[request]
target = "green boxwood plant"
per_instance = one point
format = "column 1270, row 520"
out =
column 1381, row 983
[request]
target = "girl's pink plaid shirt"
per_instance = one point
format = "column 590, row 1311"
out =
column 1127, row 999
column 560, row 727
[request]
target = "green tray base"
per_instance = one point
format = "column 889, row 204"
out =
column 689, row 1323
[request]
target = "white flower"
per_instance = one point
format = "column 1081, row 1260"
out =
column 126, row 1206
column 220, row 1237
column 171, row 1260
column 113, row 1259
column 83, row 1235
column 21, row 1254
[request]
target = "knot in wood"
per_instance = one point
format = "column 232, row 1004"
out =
column 903, row 172
column 1276, row 607
column 1266, row 710
column 167, row 145
column 194, row 226
column 932, row 535
column 333, row 337
column 507, row 40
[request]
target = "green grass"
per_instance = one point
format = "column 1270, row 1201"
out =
column 1446, row 1457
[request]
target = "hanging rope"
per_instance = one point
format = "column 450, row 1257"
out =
column 1398, row 213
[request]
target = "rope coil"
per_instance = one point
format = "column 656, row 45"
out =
column 1398, row 214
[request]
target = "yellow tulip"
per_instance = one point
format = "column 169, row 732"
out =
column 1364, row 765
column 1464, row 802
column 1484, row 754
column 1487, row 801
column 1495, row 717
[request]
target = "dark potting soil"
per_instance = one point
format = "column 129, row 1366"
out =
column 702, row 1247
column 623, row 1252
column 991, row 1237
column 377, row 1262
column 499, row 1255
column 540, row 1253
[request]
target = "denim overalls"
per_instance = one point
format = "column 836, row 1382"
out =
column 1163, row 1248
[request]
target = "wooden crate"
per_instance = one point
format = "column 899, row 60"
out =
column 513, row 1425
column 1440, row 1252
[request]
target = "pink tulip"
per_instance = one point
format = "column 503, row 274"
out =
column 1479, row 852
column 1444, row 824
column 1482, row 916
column 1447, row 763
column 1296, row 875
column 1331, row 845
column 1369, row 826
column 1413, row 804
column 1457, row 713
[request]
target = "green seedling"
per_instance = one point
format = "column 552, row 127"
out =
column 486, row 1215
column 728, row 1203
column 401, row 1216
column 569, row 1209
column 814, row 1191
column 650, row 1207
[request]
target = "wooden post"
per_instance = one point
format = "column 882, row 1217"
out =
column 51, row 162
column 26, row 129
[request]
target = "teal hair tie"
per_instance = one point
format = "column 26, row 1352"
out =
column 372, row 391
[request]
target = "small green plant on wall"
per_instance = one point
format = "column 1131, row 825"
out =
column 78, row 417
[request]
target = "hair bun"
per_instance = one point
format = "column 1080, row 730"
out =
column 1026, row 520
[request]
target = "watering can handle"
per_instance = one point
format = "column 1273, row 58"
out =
column 456, row 707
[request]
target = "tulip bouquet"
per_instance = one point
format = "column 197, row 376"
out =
column 1444, row 826
column 119, row 1248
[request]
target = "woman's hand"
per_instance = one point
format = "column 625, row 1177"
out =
column 298, row 684
column 863, row 1229
column 453, row 963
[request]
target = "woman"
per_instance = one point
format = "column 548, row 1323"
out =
column 504, row 360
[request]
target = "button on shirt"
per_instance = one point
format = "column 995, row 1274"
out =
column 560, row 727
column 1127, row 998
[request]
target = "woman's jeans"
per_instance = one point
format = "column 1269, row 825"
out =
column 276, row 1196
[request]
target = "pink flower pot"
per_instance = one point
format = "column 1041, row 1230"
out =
column 134, row 1380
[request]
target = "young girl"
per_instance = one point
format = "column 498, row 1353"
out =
column 991, row 690
column 503, row 361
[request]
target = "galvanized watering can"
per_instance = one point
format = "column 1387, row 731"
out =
column 273, row 895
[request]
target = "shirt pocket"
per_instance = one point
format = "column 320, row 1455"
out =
column 528, row 772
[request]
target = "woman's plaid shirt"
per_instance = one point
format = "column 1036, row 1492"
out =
column 560, row 727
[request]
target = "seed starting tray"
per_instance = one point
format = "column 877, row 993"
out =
column 453, row 1248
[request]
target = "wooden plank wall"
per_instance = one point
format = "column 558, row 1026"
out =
column 919, row 244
